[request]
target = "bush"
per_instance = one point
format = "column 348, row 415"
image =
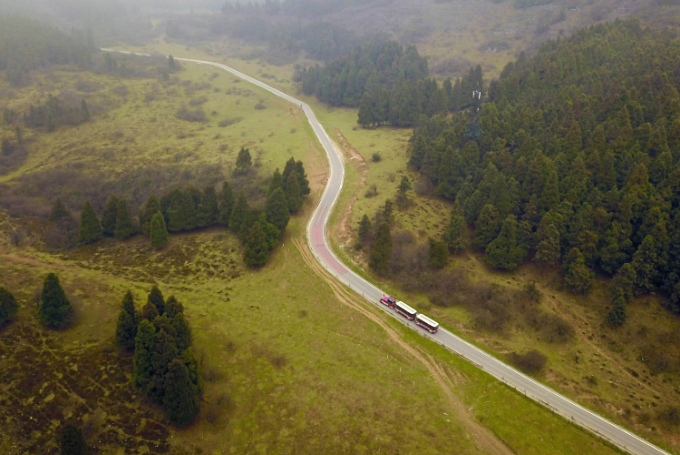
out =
column 260, row 106
column 551, row 327
column 229, row 121
column 531, row 363
column 197, row 115
column 371, row 192
column 376, row 158
column 198, row 101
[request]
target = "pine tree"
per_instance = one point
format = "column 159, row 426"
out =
column 288, row 169
column 147, row 212
column 277, row 182
column 156, row 299
column 173, row 307
column 124, row 227
column 618, row 314
column 110, row 216
column 208, row 210
column 226, row 204
column 126, row 330
column 59, row 212
column 181, row 401
column 165, row 351
column 256, row 246
column 439, row 254
column 504, row 253
column 403, row 189
column 149, row 312
column 381, row 250
column 455, row 236
column 243, row 162
column 551, row 192
column 364, row 229
column 55, row 307
column 145, row 345
column 159, row 233
column 303, row 182
column 195, row 375
column 548, row 251
column 73, row 442
column 623, row 283
column 238, row 213
column 183, row 335
column 293, row 198
column 90, row 228
column 578, row 277
column 487, row 227
column 8, row 306
column 277, row 211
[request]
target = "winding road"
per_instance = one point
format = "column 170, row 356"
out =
column 318, row 243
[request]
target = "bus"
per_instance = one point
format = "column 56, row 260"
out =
column 427, row 323
column 405, row 310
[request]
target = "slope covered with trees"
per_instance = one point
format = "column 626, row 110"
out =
column 581, row 144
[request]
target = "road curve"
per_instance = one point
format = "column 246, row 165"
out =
column 318, row 242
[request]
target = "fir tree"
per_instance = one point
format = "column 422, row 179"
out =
column 183, row 335
column 208, row 210
column 238, row 213
column 147, row 212
column 149, row 312
column 90, row 228
column 256, row 246
column 73, row 442
column 303, row 182
column 145, row 345
column 85, row 110
column 110, row 216
column 292, row 189
column 623, row 284
column 55, row 307
column 381, row 250
column 277, row 211
column 402, row 190
column 195, row 375
column 181, row 401
column 504, row 253
column 59, row 212
column 226, row 204
column 287, row 170
column 165, row 351
column 618, row 314
column 159, row 233
column 578, row 277
column 487, row 227
column 8, row 306
column 124, row 227
column 276, row 183
column 548, row 251
column 364, row 229
column 243, row 162
column 156, row 299
column 456, row 236
column 171, row 63
column 439, row 254
column 173, row 307
column 126, row 330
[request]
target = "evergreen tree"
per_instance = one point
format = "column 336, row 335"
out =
column 402, row 190
column 126, row 330
column 303, row 182
column 149, row 312
column 73, row 442
column 487, row 227
column 183, row 335
column 271, row 233
column 618, row 314
column 578, row 278
column 110, row 216
column 256, row 246
column 646, row 264
column 147, row 212
column 124, row 227
column 171, row 63
column 226, row 204
column 173, row 307
column 156, row 299
column 455, row 236
column 623, row 284
column 381, row 250
column 243, row 162
column 55, row 307
column 59, row 212
column 208, row 210
column 181, row 401
column 159, row 233
column 364, row 229
column 439, row 254
column 8, row 306
column 548, row 251
column 90, row 228
column 287, row 170
column 85, row 110
column 165, row 351
column 277, row 182
column 195, row 375
column 504, row 252
column 145, row 345
column 293, row 198
column 238, row 213
column 277, row 211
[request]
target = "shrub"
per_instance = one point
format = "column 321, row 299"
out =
column 229, row 121
column 376, row 157
column 189, row 115
column 371, row 192
column 198, row 101
column 260, row 106
column 531, row 363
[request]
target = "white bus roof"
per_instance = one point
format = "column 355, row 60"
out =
column 405, row 307
column 428, row 321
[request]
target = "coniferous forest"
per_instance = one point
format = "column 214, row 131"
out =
column 573, row 160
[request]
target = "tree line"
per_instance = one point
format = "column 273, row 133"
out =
column 572, row 160
column 186, row 209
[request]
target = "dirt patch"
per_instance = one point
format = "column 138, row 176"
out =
column 484, row 439
column 344, row 230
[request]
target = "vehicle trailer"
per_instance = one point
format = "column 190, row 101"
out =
column 427, row 323
column 405, row 310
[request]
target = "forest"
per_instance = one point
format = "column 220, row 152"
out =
column 572, row 160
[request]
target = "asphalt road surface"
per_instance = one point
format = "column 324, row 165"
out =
column 316, row 237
